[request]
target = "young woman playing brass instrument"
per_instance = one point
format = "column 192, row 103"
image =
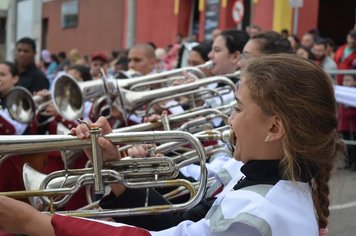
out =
column 284, row 125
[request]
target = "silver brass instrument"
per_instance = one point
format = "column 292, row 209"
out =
column 193, row 98
column 37, row 143
column 187, row 118
column 223, row 111
column 166, row 75
column 23, row 106
column 69, row 95
column 119, row 171
column 102, row 107
column 129, row 74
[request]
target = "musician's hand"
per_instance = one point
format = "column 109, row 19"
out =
column 154, row 117
column 20, row 218
column 43, row 93
column 187, row 78
column 140, row 150
column 50, row 110
column 110, row 151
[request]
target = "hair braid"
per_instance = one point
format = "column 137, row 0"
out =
column 321, row 196
column 320, row 181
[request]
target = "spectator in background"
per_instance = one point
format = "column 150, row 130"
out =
column 345, row 56
column 179, row 39
column 285, row 33
column 153, row 45
column 347, row 124
column 215, row 33
column 305, row 52
column 114, row 57
column 294, row 41
column 252, row 30
column 307, row 40
column 30, row 76
column 330, row 47
column 98, row 62
column 315, row 33
column 79, row 72
column 160, row 55
column 75, row 57
column 45, row 59
column 121, row 65
column 171, row 59
column 320, row 52
column 63, row 61
column 52, row 68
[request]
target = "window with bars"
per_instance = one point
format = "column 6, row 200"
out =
column 69, row 13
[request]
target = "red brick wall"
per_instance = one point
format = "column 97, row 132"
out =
column 263, row 14
column 226, row 21
column 99, row 26
column 156, row 22
column 308, row 16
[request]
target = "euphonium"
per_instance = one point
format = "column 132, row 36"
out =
column 23, row 106
column 108, row 173
column 100, row 174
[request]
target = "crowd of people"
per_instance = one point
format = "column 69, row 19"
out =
column 282, row 79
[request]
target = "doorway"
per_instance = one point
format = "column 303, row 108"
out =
column 336, row 19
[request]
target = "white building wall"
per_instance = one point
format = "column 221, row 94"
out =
column 24, row 20
column 4, row 4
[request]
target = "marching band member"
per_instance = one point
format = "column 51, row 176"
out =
column 8, row 78
column 10, row 168
column 293, row 162
column 142, row 58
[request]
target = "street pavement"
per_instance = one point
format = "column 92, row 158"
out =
column 342, row 220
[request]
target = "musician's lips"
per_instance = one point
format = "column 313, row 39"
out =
column 233, row 143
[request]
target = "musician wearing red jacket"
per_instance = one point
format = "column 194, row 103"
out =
column 345, row 56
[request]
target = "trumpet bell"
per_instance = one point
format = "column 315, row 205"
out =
column 20, row 105
column 68, row 98
column 32, row 181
